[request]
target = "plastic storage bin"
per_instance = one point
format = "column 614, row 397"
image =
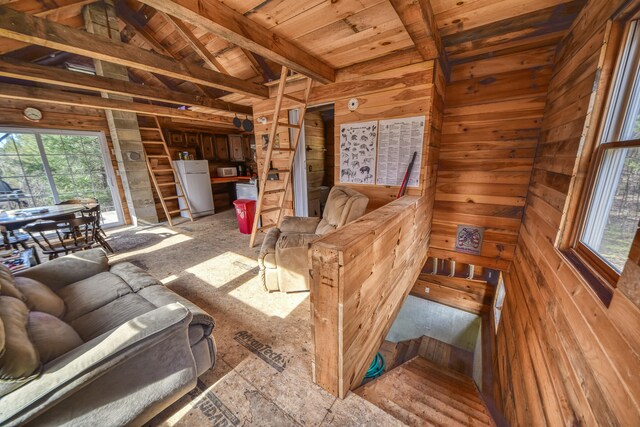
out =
column 245, row 212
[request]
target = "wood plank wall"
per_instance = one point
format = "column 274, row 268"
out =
column 563, row 357
column 315, row 142
column 491, row 127
column 399, row 85
column 65, row 118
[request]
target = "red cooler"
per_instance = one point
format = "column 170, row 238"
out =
column 245, row 211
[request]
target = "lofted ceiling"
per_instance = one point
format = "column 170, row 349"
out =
column 338, row 32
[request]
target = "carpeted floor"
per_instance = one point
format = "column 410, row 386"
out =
column 209, row 262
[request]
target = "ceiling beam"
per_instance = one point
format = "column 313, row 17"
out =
column 27, row 28
column 139, row 27
column 226, row 23
column 71, row 79
column 199, row 48
column 51, row 96
column 419, row 20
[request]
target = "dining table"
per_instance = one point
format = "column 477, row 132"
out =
column 13, row 220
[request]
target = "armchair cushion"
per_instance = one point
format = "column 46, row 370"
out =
column 299, row 224
column 293, row 240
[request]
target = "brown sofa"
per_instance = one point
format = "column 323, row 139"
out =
column 283, row 259
column 85, row 343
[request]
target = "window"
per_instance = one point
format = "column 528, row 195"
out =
column 612, row 211
column 44, row 168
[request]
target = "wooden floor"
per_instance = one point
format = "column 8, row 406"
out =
column 422, row 393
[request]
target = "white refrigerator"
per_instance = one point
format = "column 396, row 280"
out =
column 194, row 177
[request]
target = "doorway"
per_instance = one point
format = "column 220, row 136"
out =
column 45, row 167
column 314, row 163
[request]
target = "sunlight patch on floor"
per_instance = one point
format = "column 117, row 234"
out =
column 240, row 274
column 174, row 239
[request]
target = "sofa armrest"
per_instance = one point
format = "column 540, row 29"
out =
column 105, row 359
column 295, row 240
column 69, row 269
column 299, row 224
column 268, row 245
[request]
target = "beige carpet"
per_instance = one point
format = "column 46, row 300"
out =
column 209, row 262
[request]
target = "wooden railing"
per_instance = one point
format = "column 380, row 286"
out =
column 360, row 276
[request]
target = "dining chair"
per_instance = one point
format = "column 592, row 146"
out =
column 15, row 241
column 101, row 236
column 63, row 237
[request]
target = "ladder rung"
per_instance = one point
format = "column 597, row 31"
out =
column 288, row 125
column 283, row 149
column 172, row 197
column 279, row 190
column 153, row 142
column 147, row 128
column 166, row 184
column 279, row 171
column 158, row 156
column 162, row 170
column 266, row 227
column 293, row 98
column 264, row 211
column 178, row 211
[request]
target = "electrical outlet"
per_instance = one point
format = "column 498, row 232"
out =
column 426, row 290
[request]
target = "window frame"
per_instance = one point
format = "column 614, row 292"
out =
column 600, row 275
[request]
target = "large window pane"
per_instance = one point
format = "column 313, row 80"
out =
column 615, row 207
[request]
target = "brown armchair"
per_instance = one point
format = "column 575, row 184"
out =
column 283, row 259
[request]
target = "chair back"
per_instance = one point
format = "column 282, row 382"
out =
column 343, row 206
column 66, row 236
column 80, row 201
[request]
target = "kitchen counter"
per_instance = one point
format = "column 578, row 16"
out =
column 230, row 179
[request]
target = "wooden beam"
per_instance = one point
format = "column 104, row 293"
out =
column 419, row 20
column 260, row 65
column 24, row 27
column 139, row 27
column 51, row 96
column 41, row 74
column 236, row 28
column 199, row 48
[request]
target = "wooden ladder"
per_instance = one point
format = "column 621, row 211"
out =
column 156, row 152
column 266, row 170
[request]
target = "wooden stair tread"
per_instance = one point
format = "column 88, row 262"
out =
column 419, row 392
column 162, row 170
column 288, row 125
column 278, row 190
column 178, row 211
column 165, row 184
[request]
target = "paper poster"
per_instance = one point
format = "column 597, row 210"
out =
column 358, row 152
column 469, row 239
column 397, row 141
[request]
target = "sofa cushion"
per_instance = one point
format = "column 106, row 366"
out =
column 19, row 357
column 7, row 284
column 40, row 297
column 51, row 336
column 111, row 315
column 92, row 293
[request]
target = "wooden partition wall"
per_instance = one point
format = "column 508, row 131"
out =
column 361, row 275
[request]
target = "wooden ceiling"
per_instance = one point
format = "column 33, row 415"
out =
column 339, row 33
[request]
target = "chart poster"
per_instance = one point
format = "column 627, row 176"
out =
column 358, row 152
column 469, row 239
column 397, row 141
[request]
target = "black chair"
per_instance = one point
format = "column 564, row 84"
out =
column 63, row 237
column 12, row 196
column 93, row 212
column 15, row 241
